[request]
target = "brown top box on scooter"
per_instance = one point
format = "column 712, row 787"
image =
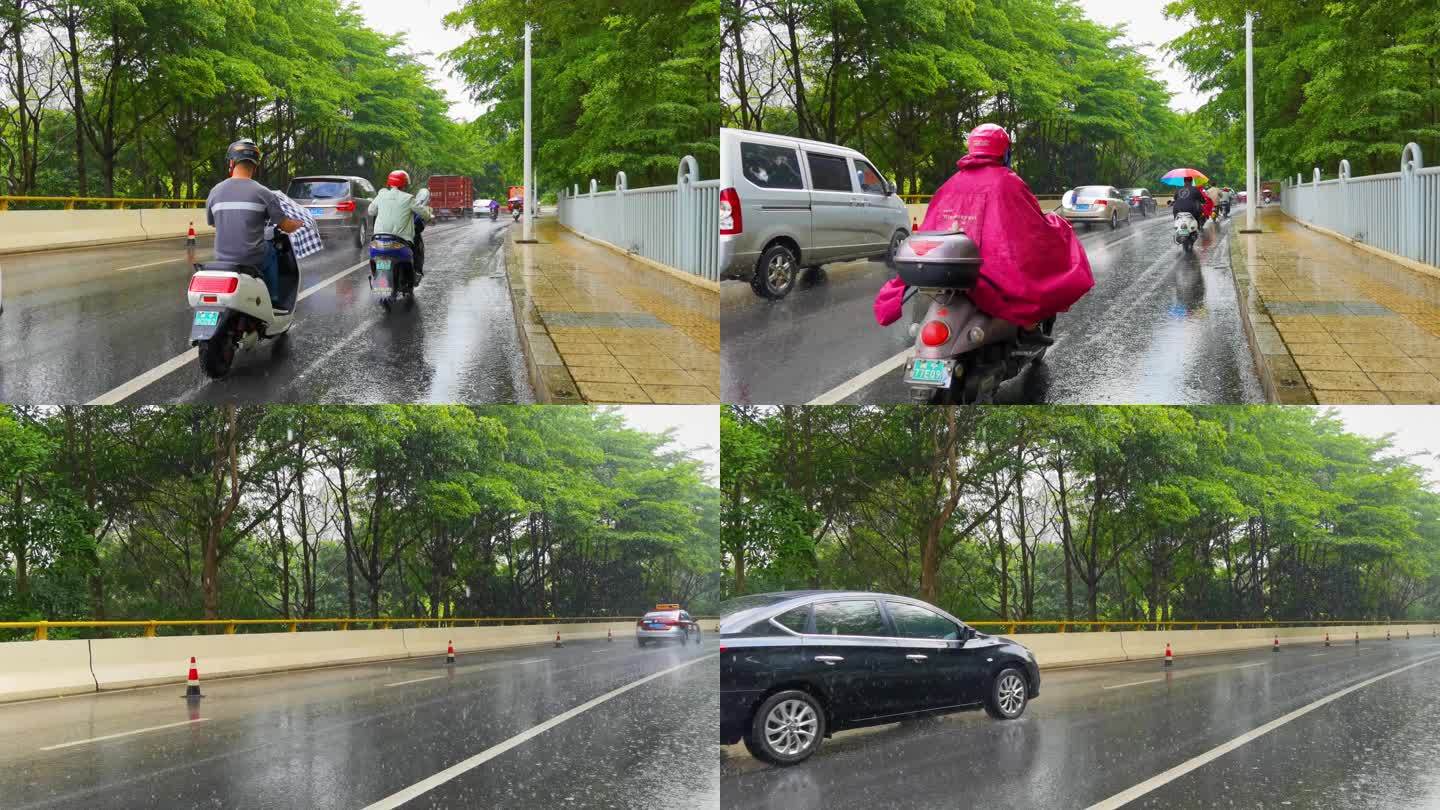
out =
column 947, row 260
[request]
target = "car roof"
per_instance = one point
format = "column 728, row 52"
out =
column 752, row 135
column 788, row 600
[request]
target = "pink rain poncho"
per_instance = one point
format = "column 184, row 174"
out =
column 1033, row 265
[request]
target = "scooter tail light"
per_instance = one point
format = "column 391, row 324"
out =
column 224, row 285
column 935, row 333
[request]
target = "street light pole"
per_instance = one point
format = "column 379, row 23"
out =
column 529, row 180
column 1252, row 195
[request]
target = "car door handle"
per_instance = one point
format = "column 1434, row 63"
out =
column 829, row 659
column 917, row 658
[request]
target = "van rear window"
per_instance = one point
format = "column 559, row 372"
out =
column 769, row 166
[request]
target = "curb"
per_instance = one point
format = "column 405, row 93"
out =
column 550, row 380
column 1279, row 375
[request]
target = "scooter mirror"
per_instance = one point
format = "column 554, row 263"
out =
column 423, row 196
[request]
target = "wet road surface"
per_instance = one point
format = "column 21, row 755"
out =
column 352, row 736
column 104, row 322
column 1080, row 743
column 1159, row 326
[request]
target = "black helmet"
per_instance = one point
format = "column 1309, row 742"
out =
column 243, row 150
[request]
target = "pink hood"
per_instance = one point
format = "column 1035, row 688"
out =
column 1034, row 263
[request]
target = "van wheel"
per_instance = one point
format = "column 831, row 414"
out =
column 895, row 242
column 776, row 273
column 787, row 728
column 1008, row 695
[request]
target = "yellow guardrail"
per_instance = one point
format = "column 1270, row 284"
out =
column 151, row 626
column 115, row 203
column 1229, row 624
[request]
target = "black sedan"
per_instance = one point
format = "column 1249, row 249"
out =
column 1141, row 200
column 797, row 666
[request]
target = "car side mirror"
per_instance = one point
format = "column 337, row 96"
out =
column 889, row 189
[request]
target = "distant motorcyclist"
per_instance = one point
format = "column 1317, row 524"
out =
column 1207, row 208
column 494, row 209
column 397, row 213
column 239, row 208
column 1189, row 200
column 1033, row 265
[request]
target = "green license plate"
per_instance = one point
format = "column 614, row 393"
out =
column 382, row 264
column 931, row 372
column 207, row 318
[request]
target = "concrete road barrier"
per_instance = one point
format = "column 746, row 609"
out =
column 36, row 669
column 1073, row 649
column 125, row 662
column 169, row 223
column 23, row 231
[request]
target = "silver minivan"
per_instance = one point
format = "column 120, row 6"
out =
column 339, row 204
column 789, row 203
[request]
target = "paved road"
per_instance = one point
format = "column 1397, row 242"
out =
column 81, row 324
column 1098, row 731
column 352, row 736
column 1159, row 326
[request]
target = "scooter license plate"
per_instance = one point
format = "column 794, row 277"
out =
column 382, row 264
column 207, row 318
column 937, row 373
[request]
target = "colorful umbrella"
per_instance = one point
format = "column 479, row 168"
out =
column 1176, row 177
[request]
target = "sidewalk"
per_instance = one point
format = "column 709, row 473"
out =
column 1333, row 324
column 601, row 327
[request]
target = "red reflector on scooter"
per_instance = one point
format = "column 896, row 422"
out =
column 935, row 333
column 214, row 284
column 209, row 299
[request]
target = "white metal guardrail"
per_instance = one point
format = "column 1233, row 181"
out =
column 1398, row 212
column 677, row 226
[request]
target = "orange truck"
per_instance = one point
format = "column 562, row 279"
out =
column 451, row 196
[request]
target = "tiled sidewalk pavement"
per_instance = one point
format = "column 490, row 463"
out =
column 612, row 328
column 1344, row 326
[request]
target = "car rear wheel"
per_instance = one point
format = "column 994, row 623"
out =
column 1114, row 221
column 1008, row 695
column 776, row 273
column 787, row 728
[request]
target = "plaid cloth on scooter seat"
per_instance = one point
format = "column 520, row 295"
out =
column 305, row 241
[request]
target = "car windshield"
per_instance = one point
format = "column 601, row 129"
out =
column 1092, row 191
column 302, row 189
column 1137, row 192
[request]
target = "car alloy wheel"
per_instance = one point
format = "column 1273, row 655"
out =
column 790, row 727
column 1008, row 696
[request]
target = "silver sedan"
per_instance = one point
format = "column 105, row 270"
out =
column 1094, row 204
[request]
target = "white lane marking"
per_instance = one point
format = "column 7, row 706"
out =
column 1130, row 795
column 1243, row 666
column 1312, row 655
column 861, row 380
column 425, row 785
column 128, row 389
column 416, row 680
column 150, row 264
column 1132, row 683
column 124, row 734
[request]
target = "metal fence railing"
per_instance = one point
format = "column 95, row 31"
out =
column 677, row 226
column 1398, row 212
column 72, row 203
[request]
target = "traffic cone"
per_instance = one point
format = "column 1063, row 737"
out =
column 1357, row 638
column 190, row 237
column 192, row 682
column 1276, row 648
column 1387, row 634
column 609, row 635
column 914, row 224
column 1169, row 656
column 1407, row 634
column 557, row 639
column 450, row 652
column 1327, row 639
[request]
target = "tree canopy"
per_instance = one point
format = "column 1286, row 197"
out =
column 1339, row 79
column 313, row 512
column 1081, row 512
column 904, row 80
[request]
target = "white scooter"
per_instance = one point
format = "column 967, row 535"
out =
column 233, row 309
column 1187, row 230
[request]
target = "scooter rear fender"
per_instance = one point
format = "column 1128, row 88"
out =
column 969, row 327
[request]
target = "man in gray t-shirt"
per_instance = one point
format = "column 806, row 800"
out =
column 239, row 208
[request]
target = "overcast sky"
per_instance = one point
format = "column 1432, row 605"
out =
column 1416, row 429
column 1145, row 22
column 423, row 23
column 697, row 428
